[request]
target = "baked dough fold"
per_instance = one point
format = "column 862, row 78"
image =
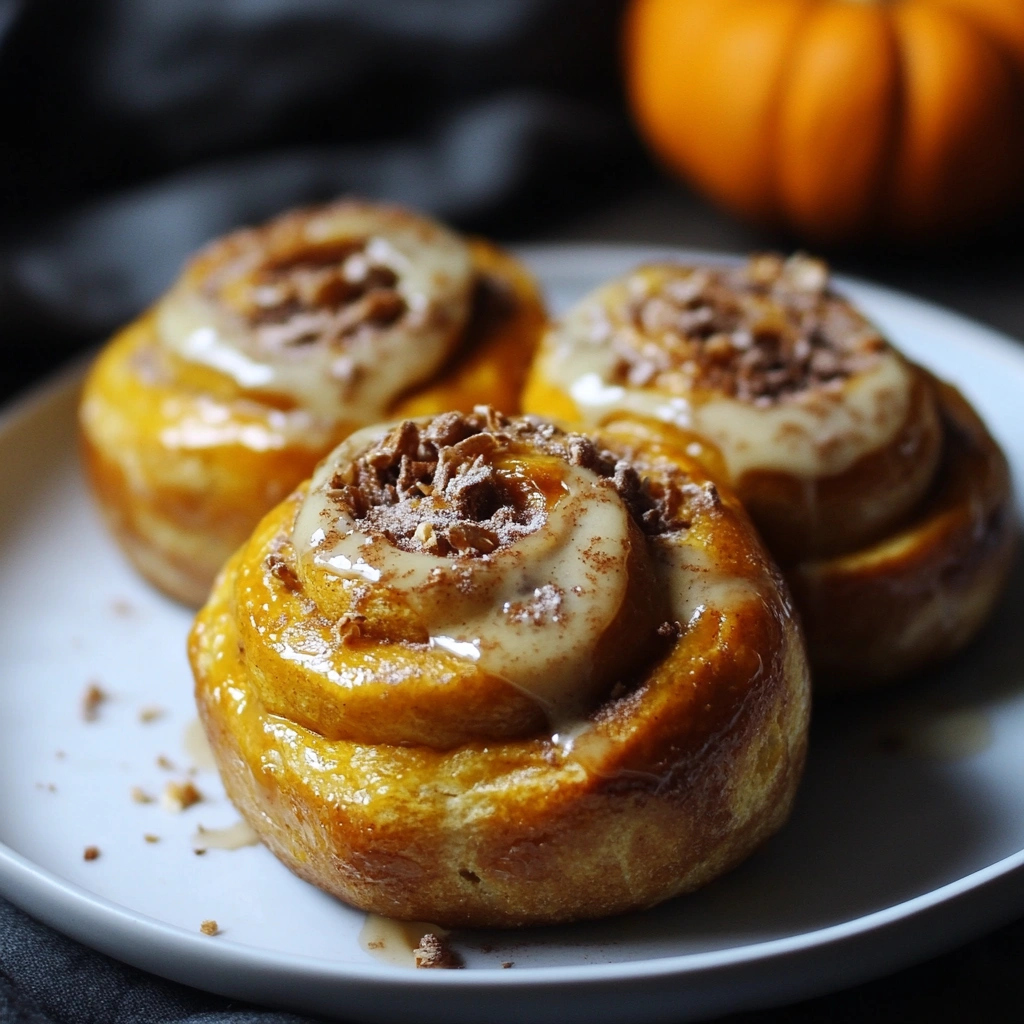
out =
column 851, row 460
column 274, row 344
column 485, row 673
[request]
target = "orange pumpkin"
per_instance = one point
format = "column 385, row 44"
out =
column 837, row 117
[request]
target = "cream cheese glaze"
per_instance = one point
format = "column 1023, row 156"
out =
column 530, row 612
column 810, row 432
column 533, row 607
column 320, row 307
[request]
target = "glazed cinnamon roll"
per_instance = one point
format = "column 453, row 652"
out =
column 835, row 443
column 276, row 343
column 485, row 673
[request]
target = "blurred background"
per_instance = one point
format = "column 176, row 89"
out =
column 135, row 130
column 887, row 136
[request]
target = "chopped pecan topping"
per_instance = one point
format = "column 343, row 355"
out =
column 321, row 294
column 278, row 567
column 761, row 332
column 434, row 951
column 179, row 796
column 436, row 487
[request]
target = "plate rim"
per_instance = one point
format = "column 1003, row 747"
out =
column 86, row 916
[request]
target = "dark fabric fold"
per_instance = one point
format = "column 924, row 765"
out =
column 136, row 130
column 46, row 978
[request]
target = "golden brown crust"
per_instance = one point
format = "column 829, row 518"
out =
column 896, row 557
column 679, row 775
column 800, row 519
column 184, row 461
column 826, row 434
column 921, row 593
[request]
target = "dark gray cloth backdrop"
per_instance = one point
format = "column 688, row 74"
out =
column 134, row 130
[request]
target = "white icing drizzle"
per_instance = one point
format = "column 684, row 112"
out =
column 357, row 378
column 197, row 747
column 820, row 432
column 534, row 611
column 695, row 583
column 531, row 613
column 233, row 837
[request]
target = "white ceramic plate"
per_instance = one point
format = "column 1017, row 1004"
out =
column 891, row 855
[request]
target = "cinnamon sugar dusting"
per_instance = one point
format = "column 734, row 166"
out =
column 322, row 293
column 760, row 332
column 508, row 543
column 439, row 487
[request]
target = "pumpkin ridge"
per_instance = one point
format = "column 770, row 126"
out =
column 901, row 119
column 831, row 178
column 970, row 12
column 971, row 177
column 897, row 126
column 801, row 21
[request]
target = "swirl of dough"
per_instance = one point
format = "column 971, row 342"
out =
column 481, row 671
column 277, row 342
column 783, row 388
column 876, row 486
column 338, row 310
column 920, row 593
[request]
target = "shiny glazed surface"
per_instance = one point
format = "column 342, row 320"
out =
column 275, row 344
column 921, row 593
column 789, row 393
column 852, row 470
column 417, row 781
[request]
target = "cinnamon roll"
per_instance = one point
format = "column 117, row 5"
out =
column 276, row 343
column 841, row 450
column 482, row 672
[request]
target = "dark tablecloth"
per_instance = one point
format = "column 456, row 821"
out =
column 117, row 163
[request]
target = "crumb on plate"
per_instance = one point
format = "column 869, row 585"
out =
column 93, row 697
column 91, row 853
column 210, row 927
column 178, row 796
column 434, row 951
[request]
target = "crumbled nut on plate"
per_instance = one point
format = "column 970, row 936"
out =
column 140, row 796
column 150, row 838
column 434, row 951
column 177, row 796
column 210, row 927
column 91, row 853
column 93, row 697
column 151, row 714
